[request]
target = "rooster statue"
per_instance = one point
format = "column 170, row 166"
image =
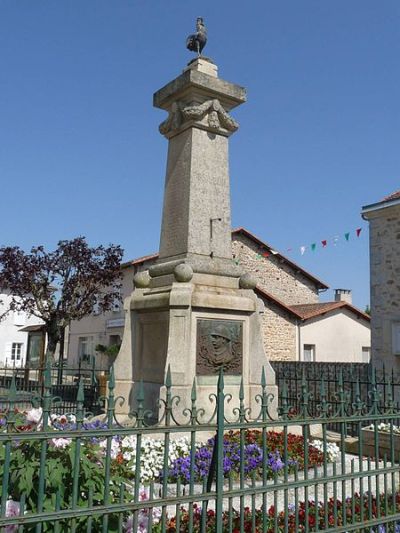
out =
column 197, row 41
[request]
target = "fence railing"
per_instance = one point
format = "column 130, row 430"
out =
column 232, row 470
column 64, row 382
column 352, row 377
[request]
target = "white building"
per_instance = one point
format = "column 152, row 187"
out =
column 13, row 341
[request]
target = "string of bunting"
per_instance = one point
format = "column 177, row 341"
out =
column 312, row 247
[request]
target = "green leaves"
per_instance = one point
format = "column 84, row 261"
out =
column 25, row 467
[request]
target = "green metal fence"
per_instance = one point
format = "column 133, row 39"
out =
column 354, row 378
column 233, row 470
column 64, row 384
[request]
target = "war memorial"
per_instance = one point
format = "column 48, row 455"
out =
column 195, row 312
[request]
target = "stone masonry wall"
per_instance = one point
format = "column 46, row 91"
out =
column 279, row 333
column 385, row 284
column 275, row 276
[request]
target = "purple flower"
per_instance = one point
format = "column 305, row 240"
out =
column 275, row 462
column 13, row 508
column 252, row 460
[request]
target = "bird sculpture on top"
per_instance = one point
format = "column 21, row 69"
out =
column 197, row 41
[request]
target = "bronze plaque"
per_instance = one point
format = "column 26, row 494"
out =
column 219, row 345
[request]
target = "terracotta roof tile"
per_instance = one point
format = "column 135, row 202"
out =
column 393, row 196
column 312, row 310
column 279, row 303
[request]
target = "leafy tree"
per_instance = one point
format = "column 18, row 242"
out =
column 63, row 285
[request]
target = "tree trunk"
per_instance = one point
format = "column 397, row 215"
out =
column 61, row 356
column 62, row 344
column 53, row 336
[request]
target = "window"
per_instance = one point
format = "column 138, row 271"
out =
column 85, row 349
column 117, row 305
column 309, row 352
column 365, row 354
column 16, row 351
column 115, row 340
column 396, row 338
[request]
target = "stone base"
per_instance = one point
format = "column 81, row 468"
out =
column 161, row 335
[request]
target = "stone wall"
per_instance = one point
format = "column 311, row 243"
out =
column 279, row 333
column 385, row 284
column 274, row 275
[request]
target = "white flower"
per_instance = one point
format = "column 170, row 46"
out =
column 332, row 449
column 115, row 447
column 384, row 427
column 34, row 415
column 61, row 442
column 62, row 420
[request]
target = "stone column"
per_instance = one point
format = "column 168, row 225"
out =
column 196, row 222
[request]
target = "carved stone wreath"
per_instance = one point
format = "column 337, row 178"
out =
column 218, row 119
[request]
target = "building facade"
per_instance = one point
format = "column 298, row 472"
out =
column 384, row 238
column 14, row 334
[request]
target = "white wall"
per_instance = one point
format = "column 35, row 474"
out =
column 9, row 332
column 337, row 336
column 99, row 327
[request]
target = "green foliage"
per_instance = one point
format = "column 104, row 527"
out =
column 59, row 474
column 111, row 350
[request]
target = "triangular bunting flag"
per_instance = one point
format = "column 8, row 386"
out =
column 266, row 254
column 302, row 249
column 358, row 231
column 347, row 236
column 313, row 246
column 274, row 252
column 324, row 243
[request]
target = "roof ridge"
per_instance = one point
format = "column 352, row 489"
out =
column 252, row 236
column 321, row 308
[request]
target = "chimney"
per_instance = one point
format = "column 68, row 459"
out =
column 343, row 295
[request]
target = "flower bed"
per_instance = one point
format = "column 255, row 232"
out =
column 25, row 460
column 317, row 518
column 252, row 456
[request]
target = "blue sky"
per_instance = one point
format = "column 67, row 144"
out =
column 80, row 152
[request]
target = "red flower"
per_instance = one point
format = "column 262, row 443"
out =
column 271, row 511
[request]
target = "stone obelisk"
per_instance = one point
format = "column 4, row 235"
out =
column 195, row 311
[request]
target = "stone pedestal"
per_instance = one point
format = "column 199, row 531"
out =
column 196, row 312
